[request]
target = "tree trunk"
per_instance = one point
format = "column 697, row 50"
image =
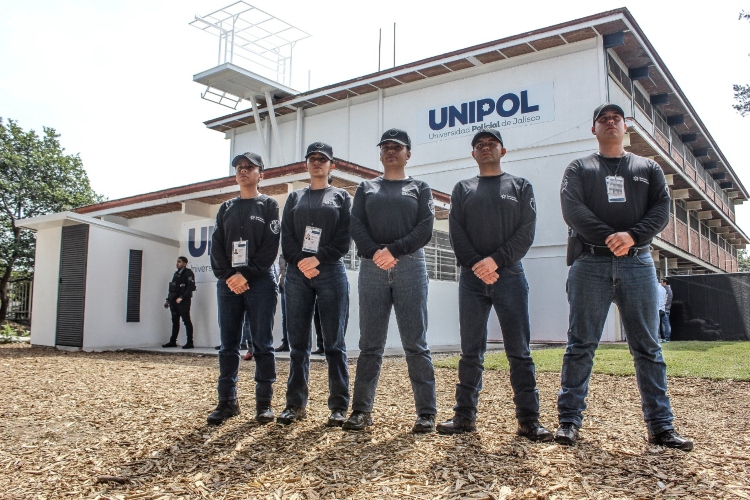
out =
column 4, row 290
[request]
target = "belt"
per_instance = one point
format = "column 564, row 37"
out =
column 603, row 251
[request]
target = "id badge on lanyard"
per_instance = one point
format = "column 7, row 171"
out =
column 615, row 189
column 311, row 241
column 239, row 253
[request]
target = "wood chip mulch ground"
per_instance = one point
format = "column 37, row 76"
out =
column 132, row 426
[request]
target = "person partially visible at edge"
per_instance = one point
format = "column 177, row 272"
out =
column 391, row 222
column 243, row 249
column 314, row 238
column 492, row 223
column 614, row 203
column 665, row 321
column 281, row 263
column 179, row 298
column 661, row 293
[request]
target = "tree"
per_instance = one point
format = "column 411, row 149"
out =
column 36, row 178
column 742, row 92
column 743, row 261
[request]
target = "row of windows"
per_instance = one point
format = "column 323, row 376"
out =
column 660, row 122
column 702, row 227
column 438, row 254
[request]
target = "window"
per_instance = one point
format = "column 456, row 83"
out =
column 704, row 230
column 681, row 212
column 135, row 269
column 643, row 102
column 620, row 75
column 714, row 238
column 439, row 258
column 694, row 222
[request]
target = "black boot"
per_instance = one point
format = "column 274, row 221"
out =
column 223, row 411
column 171, row 343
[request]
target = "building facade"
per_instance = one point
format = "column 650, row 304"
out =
column 539, row 88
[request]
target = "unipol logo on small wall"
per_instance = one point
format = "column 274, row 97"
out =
column 195, row 244
column 500, row 109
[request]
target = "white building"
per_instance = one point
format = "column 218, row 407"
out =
column 540, row 88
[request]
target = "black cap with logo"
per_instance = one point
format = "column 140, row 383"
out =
column 396, row 135
column 608, row 106
column 253, row 158
column 488, row 131
column 322, row 148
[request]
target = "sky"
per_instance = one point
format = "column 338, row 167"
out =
column 115, row 78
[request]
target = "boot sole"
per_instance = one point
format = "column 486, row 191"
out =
column 537, row 439
column 450, row 432
column 565, row 441
column 349, row 427
column 212, row 421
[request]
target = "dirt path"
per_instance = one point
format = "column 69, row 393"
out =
column 67, row 420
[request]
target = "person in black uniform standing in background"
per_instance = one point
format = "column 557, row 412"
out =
column 243, row 250
column 492, row 225
column 178, row 300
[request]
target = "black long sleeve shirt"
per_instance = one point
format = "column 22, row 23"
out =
column 393, row 214
column 182, row 285
column 586, row 207
column 255, row 220
column 327, row 209
column 492, row 217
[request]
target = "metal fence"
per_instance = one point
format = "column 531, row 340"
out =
column 439, row 258
column 19, row 294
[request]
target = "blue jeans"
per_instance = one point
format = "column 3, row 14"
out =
column 403, row 288
column 260, row 304
column 331, row 291
column 282, row 297
column 510, row 298
column 665, row 328
column 594, row 282
column 247, row 334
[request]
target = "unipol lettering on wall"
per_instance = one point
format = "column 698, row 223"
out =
column 195, row 244
column 497, row 108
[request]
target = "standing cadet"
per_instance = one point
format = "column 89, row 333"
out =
column 243, row 249
column 391, row 222
column 615, row 203
column 492, row 222
column 315, row 236
column 180, row 295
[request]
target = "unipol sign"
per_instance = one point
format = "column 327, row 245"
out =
column 195, row 244
column 494, row 109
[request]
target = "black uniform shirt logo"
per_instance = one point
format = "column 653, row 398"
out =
column 410, row 191
column 275, row 226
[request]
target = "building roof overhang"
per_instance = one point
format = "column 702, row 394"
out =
column 276, row 181
column 636, row 52
column 72, row 218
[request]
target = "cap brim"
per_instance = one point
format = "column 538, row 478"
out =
column 330, row 158
column 392, row 140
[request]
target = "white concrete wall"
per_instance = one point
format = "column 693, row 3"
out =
column 538, row 151
column 106, row 291
column 46, row 283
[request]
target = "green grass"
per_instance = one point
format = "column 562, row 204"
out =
column 712, row 360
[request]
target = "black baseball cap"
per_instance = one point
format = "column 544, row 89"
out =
column 396, row 135
column 253, row 158
column 607, row 106
column 322, row 148
column 488, row 131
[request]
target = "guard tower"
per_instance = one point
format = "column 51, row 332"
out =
column 254, row 61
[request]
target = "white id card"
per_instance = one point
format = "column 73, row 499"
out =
column 239, row 253
column 615, row 189
column 312, row 239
